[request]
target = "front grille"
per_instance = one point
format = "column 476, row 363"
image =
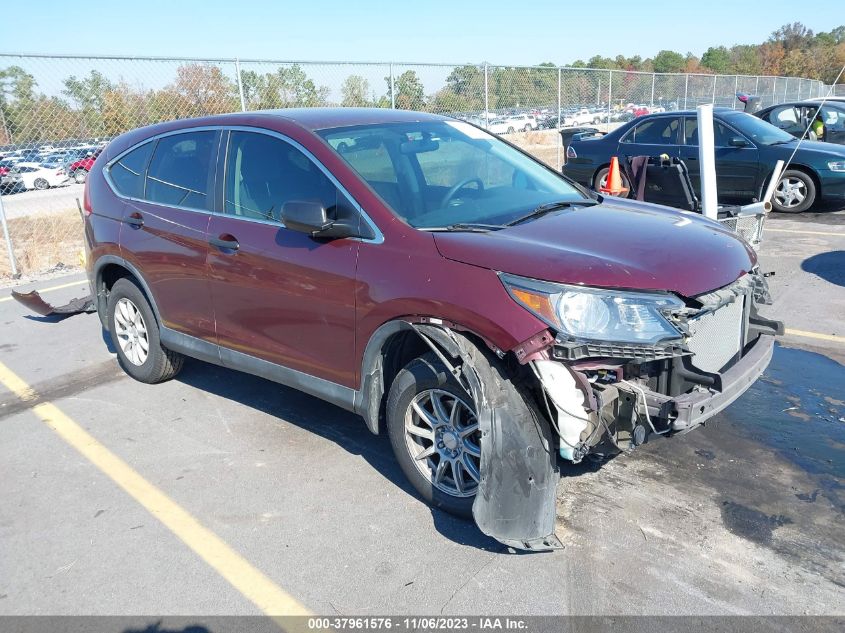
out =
column 716, row 337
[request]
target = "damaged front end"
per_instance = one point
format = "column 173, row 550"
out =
column 605, row 398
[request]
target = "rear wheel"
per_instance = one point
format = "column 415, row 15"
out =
column 796, row 192
column 511, row 130
column 135, row 335
column 79, row 176
column 527, row 127
column 41, row 183
column 600, row 180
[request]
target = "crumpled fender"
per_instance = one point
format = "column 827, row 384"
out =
column 516, row 498
column 34, row 302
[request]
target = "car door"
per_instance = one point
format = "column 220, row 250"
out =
column 834, row 124
column 279, row 295
column 737, row 165
column 164, row 223
column 787, row 118
column 652, row 137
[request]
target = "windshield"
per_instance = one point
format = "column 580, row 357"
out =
column 758, row 130
column 441, row 173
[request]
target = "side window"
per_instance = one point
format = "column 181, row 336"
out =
column 660, row 131
column 264, row 172
column 127, row 174
column 722, row 134
column 179, row 170
column 784, row 117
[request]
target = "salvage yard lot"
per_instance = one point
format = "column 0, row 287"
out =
column 743, row 516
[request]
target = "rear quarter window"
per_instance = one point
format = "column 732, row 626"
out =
column 127, row 174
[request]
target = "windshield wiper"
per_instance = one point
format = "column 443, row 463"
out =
column 548, row 207
column 477, row 227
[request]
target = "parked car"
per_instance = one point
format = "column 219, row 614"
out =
column 41, row 176
column 485, row 311
column 501, row 126
column 78, row 170
column 747, row 149
column 524, row 122
column 797, row 117
column 582, row 117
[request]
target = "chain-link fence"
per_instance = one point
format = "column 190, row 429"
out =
column 57, row 112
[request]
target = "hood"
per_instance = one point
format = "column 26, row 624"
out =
column 616, row 244
column 829, row 151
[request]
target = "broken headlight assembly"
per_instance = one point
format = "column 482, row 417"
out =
column 599, row 316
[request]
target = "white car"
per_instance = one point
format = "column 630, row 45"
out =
column 501, row 126
column 38, row 176
column 582, row 117
column 524, row 122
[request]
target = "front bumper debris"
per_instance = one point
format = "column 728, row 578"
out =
column 34, row 302
column 689, row 410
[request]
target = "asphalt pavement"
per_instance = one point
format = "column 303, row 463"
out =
column 221, row 493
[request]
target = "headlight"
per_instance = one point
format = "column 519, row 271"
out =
column 595, row 314
column 837, row 165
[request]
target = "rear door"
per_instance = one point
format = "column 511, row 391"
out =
column 652, row 137
column 279, row 295
column 737, row 168
column 165, row 223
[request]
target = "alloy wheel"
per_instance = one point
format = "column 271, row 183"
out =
column 443, row 439
column 131, row 332
column 790, row 192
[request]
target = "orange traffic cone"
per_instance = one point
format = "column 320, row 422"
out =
column 613, row 185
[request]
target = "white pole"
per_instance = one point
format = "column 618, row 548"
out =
column 773, row 183
column 8, row 239
column 707, row 161
column 240, row 85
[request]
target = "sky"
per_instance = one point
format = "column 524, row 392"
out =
column 500, row 32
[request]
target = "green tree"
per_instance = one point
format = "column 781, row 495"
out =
column 354, row 91
column 717, row 59
column 669, row 62
column 410, row 94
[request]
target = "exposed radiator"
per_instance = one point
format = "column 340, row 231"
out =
column 717, row 336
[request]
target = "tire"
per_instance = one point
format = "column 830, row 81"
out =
column 796, row 192
column 41, row 184
column 158, row 364
column 527, row 127
column 427, row 375
column 596, row 121
column 511, row 130
column 601, row 176
column 79, row 176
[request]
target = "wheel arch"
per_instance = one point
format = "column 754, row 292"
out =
column 392, row 346
column 107, row 270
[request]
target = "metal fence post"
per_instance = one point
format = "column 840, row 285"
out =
column 558, row 126
column 8, row 239
column 240, row 84
column 392, row 89
column 714, row 90
column 736, row 90
column 653, row 77
column 609, row 93
column 686, row 90
column 486, row 99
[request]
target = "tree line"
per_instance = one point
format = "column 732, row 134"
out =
column 94, row 106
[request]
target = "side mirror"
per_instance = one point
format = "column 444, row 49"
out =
column 738, row 141
column 311, row 218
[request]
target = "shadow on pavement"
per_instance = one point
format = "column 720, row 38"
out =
column 829, row 266
column 345, row 429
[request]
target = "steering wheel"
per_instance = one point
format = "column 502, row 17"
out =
column 455, row 189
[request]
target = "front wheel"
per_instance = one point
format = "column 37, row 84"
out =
column 79, row 176
column 433, row 429
column 41, row 184
column 796, row 192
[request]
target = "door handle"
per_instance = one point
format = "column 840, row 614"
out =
column 225, row 242
column 690, row 157
column 135, row 219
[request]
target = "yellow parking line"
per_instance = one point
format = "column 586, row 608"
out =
column 249, row 581
column 822, row 337
column 804, row 232
column 50, row 289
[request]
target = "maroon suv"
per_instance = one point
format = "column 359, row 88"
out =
column 487, row 312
